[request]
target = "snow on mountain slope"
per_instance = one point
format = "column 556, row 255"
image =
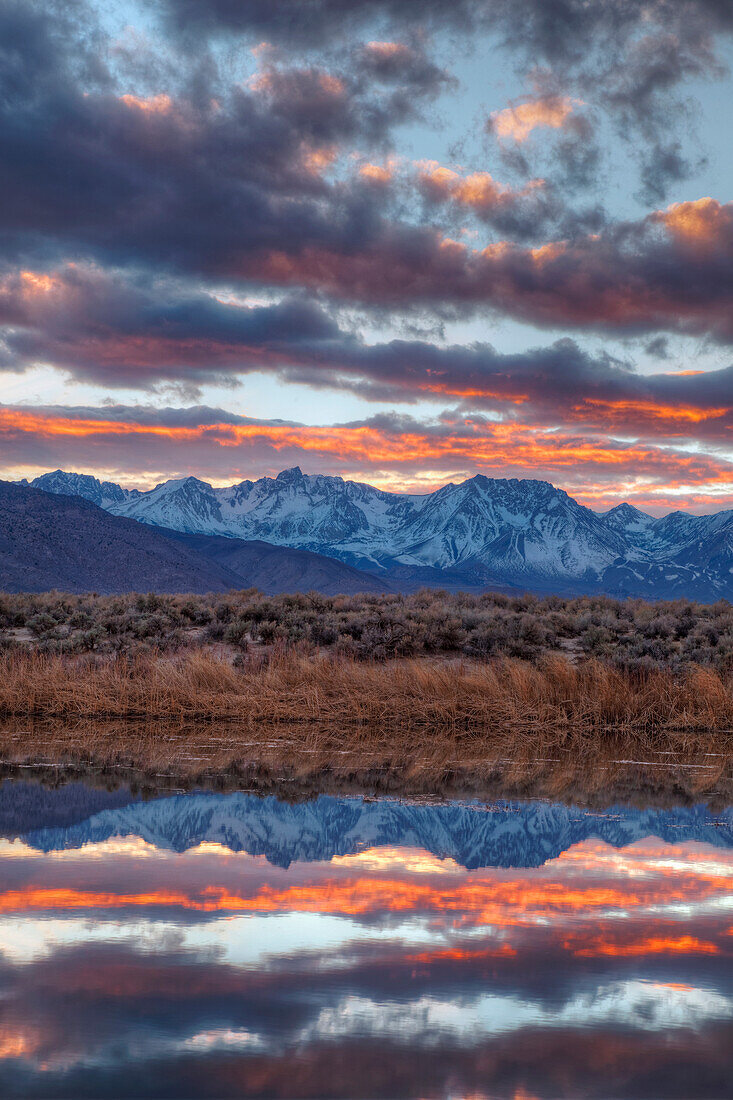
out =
column 186, row 504
column 105, row 494
column 520, row 532
column 520, row 527
column 628, row 520
column 317, row 512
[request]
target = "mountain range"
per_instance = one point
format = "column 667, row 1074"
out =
column 504, row 534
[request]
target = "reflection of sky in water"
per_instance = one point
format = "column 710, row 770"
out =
column 129, row 967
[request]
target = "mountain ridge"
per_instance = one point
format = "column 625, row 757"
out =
column 483, row 532
column 68, row 543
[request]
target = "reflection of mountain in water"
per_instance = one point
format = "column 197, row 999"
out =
column 507, row 834
column 28, row 806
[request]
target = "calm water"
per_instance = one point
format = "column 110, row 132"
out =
column 226, row 945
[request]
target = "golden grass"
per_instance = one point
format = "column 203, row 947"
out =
column 419, row 727
column 504, row 695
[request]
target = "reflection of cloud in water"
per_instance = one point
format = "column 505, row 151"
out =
column 253, row 940
column 123, row 954
column 648, row 1006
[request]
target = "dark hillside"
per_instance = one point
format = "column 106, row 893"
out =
column 49, row 541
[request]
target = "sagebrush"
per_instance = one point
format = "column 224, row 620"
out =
column 625, row 633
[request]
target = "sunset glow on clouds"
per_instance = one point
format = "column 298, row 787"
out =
column 398, row 452
column 518, row 122
column 531, row 273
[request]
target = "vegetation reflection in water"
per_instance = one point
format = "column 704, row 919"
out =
column 220, row 945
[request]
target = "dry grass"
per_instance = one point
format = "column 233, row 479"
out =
column 408, row 695
column 412, row 727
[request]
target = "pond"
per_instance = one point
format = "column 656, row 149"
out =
column 217, row 945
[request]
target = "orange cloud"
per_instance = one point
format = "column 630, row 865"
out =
column 377, row 173
column 652, row 411
column 459, row 954
column 490, row 901
column 383, row 454
column 518, row 121
column 699, row 223
column 578, row 885
column 19, row 1042
column 151, row 105
column 653, row 945
column 34, row 283
column 316, row 159
column 387, row 51
column 479, row 191
column 632, row 282
column 271, row 82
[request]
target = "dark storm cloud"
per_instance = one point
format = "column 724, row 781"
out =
column 554, row 28
column 639, row 49
column 191, row 180
column 328, row 106
column 124, row 332
column 658, row 347
column 238, row 187
column 671, row 271
column 114, row 331
column 662, row 163
column 400, row 63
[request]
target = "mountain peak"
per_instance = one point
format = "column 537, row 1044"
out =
column 87, row 486
column 626, row 517
column 288, row 477
column 188, row 482
column 626, row 510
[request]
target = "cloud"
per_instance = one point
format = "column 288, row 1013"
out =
column 390, row 450
column 192, row 1010
column 190, row 176
column 135, row 333
column 552, row 28
column 146, row 196
column 658, row 347
column 241, row 187
column 327, row 106
column 633, row 58
column 517, row 122
column 634, row 54
column 657, row 274
column 115, row 331
column 504, row 207
column 402, row 64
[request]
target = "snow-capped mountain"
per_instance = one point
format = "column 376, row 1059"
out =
column 484, row 531
column 106, row 494
column 507, row 834
column 629, row 521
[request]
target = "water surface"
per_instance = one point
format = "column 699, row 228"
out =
column 230, row 945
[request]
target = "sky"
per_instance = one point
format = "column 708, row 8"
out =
column 404, row 243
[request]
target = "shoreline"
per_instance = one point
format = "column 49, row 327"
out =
column 416, row 728
column 595, row 783
column 163, row 760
